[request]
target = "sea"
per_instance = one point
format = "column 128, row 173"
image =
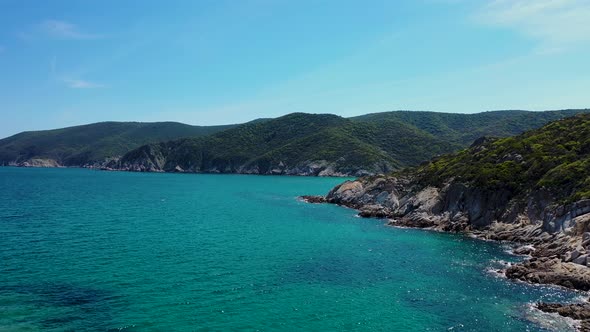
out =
column 87, row 250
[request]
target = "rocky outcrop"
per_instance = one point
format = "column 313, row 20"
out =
column 577, row 311
column 555, row 230
column 154, row 161
column 405, row 201
column 313, row 199
column 36, row 162
column 547, row 270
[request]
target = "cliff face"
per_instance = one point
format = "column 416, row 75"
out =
column 36, row 162
column 456, row 206
column 158, row 163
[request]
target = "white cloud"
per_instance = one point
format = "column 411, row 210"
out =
column 82, row 84
column 65, row 30
column 556, row 24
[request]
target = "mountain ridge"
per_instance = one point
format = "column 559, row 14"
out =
column 335, row 146
column 329, row 144
column 96, row 142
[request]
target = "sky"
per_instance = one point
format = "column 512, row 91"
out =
column 204, row 62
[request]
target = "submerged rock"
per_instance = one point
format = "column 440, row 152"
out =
column 577, row 311
column 313, row 199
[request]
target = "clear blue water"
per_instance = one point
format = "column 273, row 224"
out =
column 85, row 250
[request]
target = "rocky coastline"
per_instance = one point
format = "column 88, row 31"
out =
column 36, row 162
column 154, row 162
column 312, row 168
column 319, row 168
column 555, row 237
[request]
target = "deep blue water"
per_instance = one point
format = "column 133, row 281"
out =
column 85, row 250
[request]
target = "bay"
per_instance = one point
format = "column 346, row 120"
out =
column 84, row 250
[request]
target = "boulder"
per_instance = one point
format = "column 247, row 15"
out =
column 581, row 260
column 573, row 255
column 546, row 270
column 374, row 211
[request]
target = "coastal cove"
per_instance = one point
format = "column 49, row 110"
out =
column 91, row 250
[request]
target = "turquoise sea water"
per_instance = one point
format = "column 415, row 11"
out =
column 85, row 250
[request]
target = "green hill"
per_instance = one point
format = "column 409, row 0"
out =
column 463, row 129
column 292, row 142
column 80, row 145
column 323, row 144
column 298, row 143
column 554, row 158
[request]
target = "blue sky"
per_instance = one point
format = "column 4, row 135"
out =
column 204, row 62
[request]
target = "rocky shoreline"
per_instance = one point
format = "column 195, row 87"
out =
column 319, row 168
column 36, row 163
column 315, row 169
column 555, row 237
column 322, row 168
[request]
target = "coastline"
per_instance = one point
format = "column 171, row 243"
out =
column 94, row 168
column 556, row 258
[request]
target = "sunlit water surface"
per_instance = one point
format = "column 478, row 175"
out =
column 85, row 250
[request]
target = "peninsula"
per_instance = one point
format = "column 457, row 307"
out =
column 531, row 190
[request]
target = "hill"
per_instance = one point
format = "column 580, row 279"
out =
column 463, row 129
column 88, row 144
column 292, row 144
column 553, row 159
column 513, row 179
column 324, row 144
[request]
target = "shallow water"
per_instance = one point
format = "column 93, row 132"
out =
column 99, row 251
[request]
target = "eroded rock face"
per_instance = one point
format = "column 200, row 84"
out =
column 154, row 161
column 38, row 162
column 459, row 206
column 454, row 206
column 547, row 270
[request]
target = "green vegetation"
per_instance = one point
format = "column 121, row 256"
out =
column 463, row 129
column 555, row 157
column 376, row 142
column 288, row 140
column 76, row 146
